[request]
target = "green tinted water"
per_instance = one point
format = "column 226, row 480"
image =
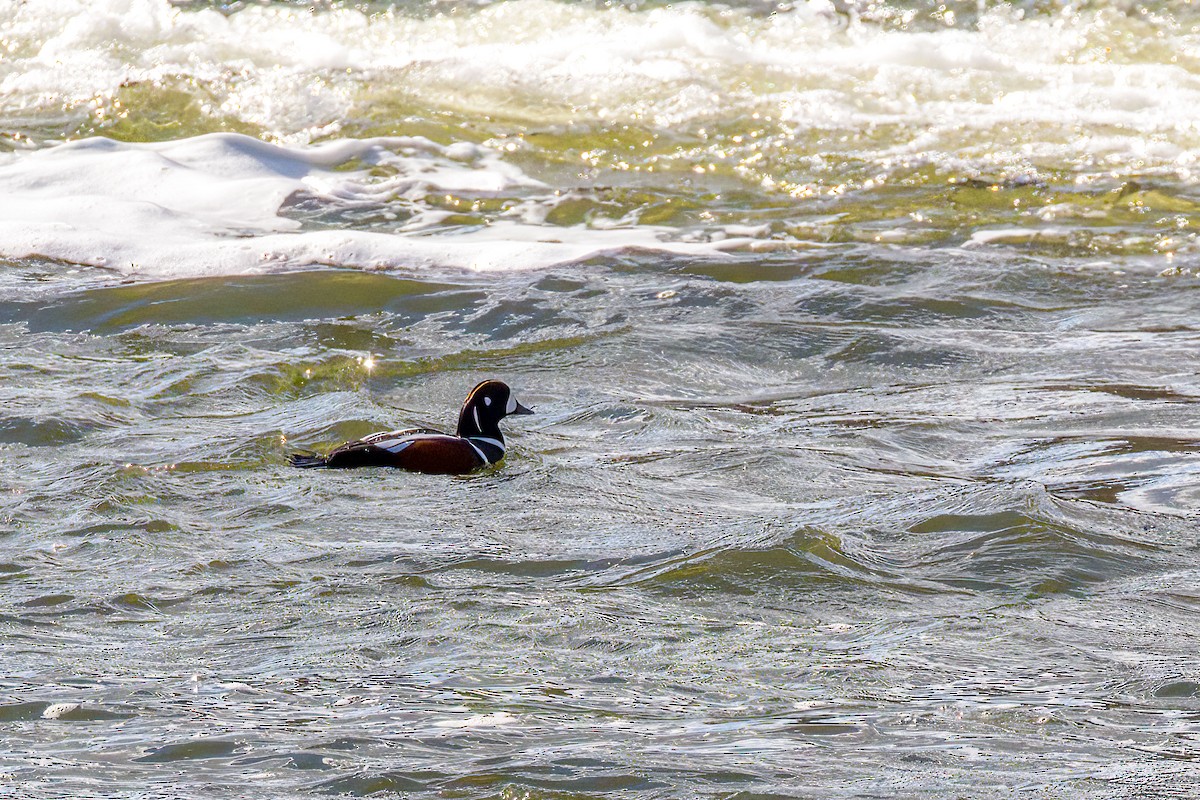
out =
column 870, row 525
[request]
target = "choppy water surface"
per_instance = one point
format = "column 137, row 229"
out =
column 862, row 339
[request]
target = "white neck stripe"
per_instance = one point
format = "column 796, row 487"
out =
column 493, row 442
column 478, row 452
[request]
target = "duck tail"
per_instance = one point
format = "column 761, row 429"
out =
column 307, row 459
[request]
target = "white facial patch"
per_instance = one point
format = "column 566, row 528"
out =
column 512, row 405
column 487, row 401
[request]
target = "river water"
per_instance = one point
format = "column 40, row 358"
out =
column 863, row 343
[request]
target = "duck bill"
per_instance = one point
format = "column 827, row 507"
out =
column 520, row 409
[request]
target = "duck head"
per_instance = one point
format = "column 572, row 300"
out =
column 487, row 404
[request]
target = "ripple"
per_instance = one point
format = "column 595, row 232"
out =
column 197, row 749
column 809, row 557
column 1013, row 549
column 65, row 712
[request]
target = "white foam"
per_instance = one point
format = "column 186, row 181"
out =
column 496, row 719
column 992, row 236
column 211, row 206
column 1009, row 89
column 784, row 101
column 59, row 710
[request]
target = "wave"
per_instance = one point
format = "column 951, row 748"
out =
column 227, row 203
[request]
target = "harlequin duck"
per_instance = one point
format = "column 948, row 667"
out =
column 477, row 444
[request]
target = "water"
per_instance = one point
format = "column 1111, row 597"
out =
column 862, row 339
